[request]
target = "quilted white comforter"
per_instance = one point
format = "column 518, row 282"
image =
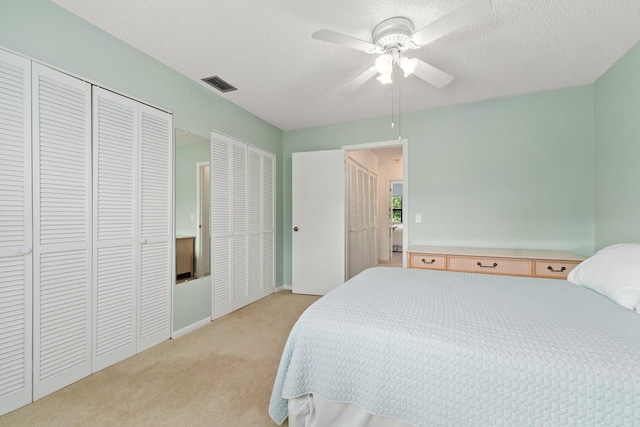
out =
column 438, row 348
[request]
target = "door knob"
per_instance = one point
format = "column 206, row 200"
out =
column 25, row 251
column 295, row 228
column 143, row 241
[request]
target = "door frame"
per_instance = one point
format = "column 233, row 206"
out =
column 199, row 244
column 404, row 143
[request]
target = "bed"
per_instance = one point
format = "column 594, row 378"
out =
column 408, row 347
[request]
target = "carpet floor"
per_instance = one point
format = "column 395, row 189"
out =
column 218, row 375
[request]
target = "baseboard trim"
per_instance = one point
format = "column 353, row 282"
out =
column 184, row 331
column 283, row 288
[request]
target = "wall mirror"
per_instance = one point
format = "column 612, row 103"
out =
column 192, row 206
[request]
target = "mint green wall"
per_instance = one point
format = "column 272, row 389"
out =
column 50, row 34
column 186, row 186
column 617, row 137
column 515, row 172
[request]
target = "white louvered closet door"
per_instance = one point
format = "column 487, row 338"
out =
column 155, row 229
column 115, row 154
column 62, row 230
column 268, row 223
column 243, row 231
column 15, row 233
column 362, row 218
column 255, row 259
column 220, row 226
column 261, row 224
column 239, row 225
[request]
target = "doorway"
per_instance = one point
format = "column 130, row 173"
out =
column 391, row 173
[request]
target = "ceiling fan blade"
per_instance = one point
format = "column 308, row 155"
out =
column 354, row 84
column 432, row 75
column 342, row 39
column 466, row 14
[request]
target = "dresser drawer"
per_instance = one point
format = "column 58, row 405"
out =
column 513, row 267
column 429, row 261
column 554, row 269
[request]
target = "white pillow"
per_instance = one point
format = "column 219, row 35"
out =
column 614, row 272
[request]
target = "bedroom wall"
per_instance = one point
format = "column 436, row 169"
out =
column 617, row 149
column 507, row 173
column 50, row 34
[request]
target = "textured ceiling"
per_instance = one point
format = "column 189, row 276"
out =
column 265, row 49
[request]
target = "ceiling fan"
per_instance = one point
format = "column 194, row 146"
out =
column 394, row 36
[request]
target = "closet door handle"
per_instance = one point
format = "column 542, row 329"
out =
column 143, row 241
column 25, row 251
column 424, row 261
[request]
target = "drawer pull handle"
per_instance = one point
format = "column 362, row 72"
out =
column 495, row 264
column 556, row 271
column 424, row 261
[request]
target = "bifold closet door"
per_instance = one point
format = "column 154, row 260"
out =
column 361, row 218
column 268, row 223
column 15, row 233
column 133, row 226
column 229, row 247
column 62, row 230
column 243, row 231
column 155, row 230
column 261, row 224
column 115, row 195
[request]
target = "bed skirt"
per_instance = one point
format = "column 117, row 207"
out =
column 312, row 411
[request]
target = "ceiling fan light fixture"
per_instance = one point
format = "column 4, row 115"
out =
column 384, row 64
column 408, row 65
column 385, row 78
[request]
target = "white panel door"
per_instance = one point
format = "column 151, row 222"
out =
column 62, row 230
column 155, row 227
column 15, row 233
column 318, row 218
column 115, row 154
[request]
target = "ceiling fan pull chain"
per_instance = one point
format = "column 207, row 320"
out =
column 399, row 109
column 393, row 125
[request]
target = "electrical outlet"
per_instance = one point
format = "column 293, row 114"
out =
column 418, row 218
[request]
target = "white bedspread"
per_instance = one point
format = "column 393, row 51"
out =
column 453, row 349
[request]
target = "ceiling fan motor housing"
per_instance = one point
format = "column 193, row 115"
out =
column 393, row 33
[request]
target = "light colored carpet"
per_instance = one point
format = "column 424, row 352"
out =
column 219, row 375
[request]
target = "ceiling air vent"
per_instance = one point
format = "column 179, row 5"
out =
column 219, row 84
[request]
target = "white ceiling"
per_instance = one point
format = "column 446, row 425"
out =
column 264, row 48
